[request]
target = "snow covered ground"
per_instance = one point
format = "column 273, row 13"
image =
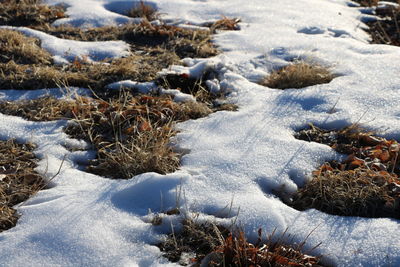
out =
column 233, row 157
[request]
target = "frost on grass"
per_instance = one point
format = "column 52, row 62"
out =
column 212, row 245
column 298, row 75
column 18, row 180
column 366, row 184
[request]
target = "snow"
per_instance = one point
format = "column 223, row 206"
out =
column 238, row 157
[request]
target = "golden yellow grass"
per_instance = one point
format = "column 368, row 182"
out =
column 298, row 75
column 16, row 47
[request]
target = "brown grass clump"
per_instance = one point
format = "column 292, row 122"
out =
column 365, row 184
column 386, row 29
column 131, row 133
column 220, row 247
column 18, row 180
column 95, row 76
column 14, row 46
column 360, row 192
column 182, row 42
column 196, row 239
column 28, row 13
column 298, row 75
column 225, row 24
column 143, row 10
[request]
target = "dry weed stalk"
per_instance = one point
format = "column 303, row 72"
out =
column 298, row 75
column 225, row 24
column 143, row 10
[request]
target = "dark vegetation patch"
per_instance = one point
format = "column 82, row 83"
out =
column 365, row 184
column 28, row 13
column 367, row 3
column 386, row 29
column 221, row 247
column 298, row 75
column 18, row 180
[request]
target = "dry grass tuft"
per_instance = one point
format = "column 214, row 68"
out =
column 214, row 245
column 130, row 133
column 195, row 239
column 365, row 184
column 14, row 46
column 143, row 10
column 385, row 30
column 182, row 42
column 95, row 76
column 28, row 13
column 237, row 251
column 298, row 75
column 225, row 24
column 360, row 192
column 18, row 180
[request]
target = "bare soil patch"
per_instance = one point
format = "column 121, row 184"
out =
column 18, row 180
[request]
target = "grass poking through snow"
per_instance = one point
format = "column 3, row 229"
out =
column 143, row 10
column 298, row 75
column 28, row 13
column 130, row 133
column 18, row 180
column 366, row 184
column 16, row 47
column 212, row 245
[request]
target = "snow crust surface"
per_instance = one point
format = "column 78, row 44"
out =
column 236, row 159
